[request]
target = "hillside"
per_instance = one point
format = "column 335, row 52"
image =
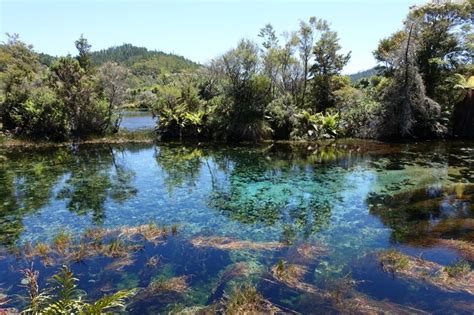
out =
column 144, row 61
column 363, row 74
column 146, row 65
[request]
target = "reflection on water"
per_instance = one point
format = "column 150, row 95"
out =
column 350, row 198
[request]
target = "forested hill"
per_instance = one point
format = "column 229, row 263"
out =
column 141, row 59
column 363, row 74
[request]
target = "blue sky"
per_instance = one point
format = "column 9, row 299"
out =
column 198, row 30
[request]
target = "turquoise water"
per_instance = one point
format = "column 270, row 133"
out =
column 354, row 198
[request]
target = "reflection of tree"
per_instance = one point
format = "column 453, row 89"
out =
column 272, row 187
column 86, row 178
column 95, row 177
column 268, row 185
column 181, row 164
column 26, row 182
column 423, row 215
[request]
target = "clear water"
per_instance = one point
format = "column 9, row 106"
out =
column 137, row 120
column 354, row 197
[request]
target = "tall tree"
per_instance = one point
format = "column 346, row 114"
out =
column 439, row 37
column 270, row 54
column 115, row 82
column 407, row 111
column 306, row 35
column 84, row 57
column 328, row 63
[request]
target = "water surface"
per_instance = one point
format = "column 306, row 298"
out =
column 137, row 120
column 352, row 198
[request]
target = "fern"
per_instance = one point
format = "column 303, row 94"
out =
column 107, row 303
column 65, row 298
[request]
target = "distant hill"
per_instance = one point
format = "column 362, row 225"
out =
column 363, row 74
column 143, row 61
column 146, row 65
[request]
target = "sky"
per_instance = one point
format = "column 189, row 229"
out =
column 197, row 30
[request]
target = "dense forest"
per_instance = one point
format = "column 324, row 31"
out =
column 282, row 87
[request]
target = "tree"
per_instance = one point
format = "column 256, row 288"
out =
column 306, row 35
column 386, row 51
column 443, row 35
column 328, row 63
column 247, row 91
column 270, row 54
column 115, row 82
column 84, row 57
column 440, row 40
column 407, row 111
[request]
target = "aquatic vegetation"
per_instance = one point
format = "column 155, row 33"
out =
column 308, row 251
column 42, row 249
column 159, row 286
column 457, row 277
column 292, row 275
column 245, row 299
column 359, row 303
column 151, row 232
column 153, row 261
column 458, row 270
column 61, row 241
column 393, row 260
column 119, row 264
column 116, row 248
column 317, row 207
column 227, row 243
column 174, row 229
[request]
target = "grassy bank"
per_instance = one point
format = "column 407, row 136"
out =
column 146, row 136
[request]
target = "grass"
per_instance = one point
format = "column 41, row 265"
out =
column 456, row 278
column 393, row 260
column 458, row 269
column 227, row 243
column 116, row 248
column 62, row 241
column 42, row 249
column 174, row 229
column 292, row 275
column 142, row 136
column 245, row 299
column 162, row 285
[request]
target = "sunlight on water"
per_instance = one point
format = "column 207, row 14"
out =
column 350, row 198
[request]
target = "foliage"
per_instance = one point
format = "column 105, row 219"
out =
column 64, row 297
column 316, row 126
column 328, row 63
column 407, row 111
column 286, row 87
column 64, row 101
